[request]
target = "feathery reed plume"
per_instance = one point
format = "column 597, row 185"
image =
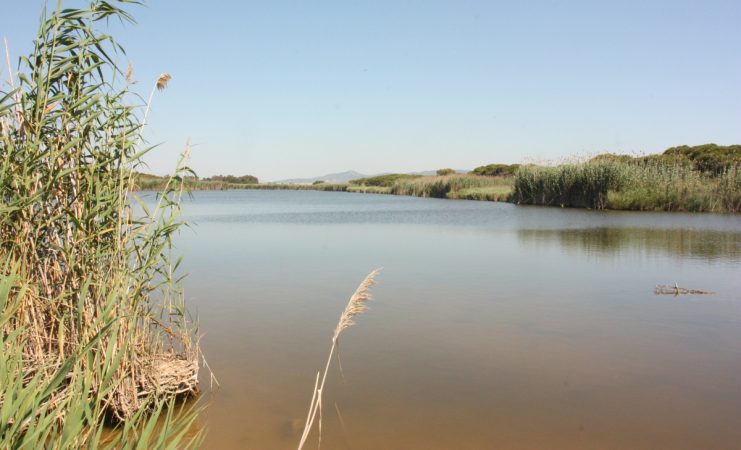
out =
column 355, row 306
column 130, row 73
column 162, row 81
column 159, row 85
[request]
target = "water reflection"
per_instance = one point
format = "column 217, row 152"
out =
column 687, row 243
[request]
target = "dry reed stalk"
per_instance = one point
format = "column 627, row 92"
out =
column 355, row 306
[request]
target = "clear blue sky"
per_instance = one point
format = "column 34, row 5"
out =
column 284, row 89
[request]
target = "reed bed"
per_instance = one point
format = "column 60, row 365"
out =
column 93, row 328
column 657, row 187
column 646, row 185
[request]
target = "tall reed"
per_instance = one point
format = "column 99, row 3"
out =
column 92, row 320
column 355, row 306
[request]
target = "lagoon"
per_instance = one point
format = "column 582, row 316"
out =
column 492, row 325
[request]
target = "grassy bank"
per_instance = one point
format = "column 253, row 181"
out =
column 472, row 187
column 93, row 330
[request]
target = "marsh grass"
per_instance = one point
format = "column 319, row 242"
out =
column 93, row 328
column 495, row 193
column 369, row 189
column 450, row 186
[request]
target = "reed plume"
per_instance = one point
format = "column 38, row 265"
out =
column 355, row 306
column 162, row 81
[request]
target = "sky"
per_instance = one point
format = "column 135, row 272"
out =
column 281, row 89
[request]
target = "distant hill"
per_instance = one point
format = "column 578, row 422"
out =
column 344, row 177
column 341, row 177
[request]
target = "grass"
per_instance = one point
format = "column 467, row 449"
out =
column 495, row 193
column 93, row 329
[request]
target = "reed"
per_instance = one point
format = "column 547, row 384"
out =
column 355, row 306
column 93, row 327
column 578, row 185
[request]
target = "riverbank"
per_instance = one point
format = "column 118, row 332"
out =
column 704, row 178
column 614, row 186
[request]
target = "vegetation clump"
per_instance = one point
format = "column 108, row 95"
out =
column 496, row 170
column 384, row 180
column 243, row 179
column 92, row 323
column 450, row 186
column 711, row 158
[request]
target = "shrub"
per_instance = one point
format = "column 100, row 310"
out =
column 496, row 170
column 384, row 180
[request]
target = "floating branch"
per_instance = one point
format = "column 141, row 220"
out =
column 675, row 290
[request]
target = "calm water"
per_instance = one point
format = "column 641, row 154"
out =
column 492, row 326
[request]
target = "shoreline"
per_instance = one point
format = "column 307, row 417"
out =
column 492, row 196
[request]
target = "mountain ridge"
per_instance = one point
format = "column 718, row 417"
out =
column 344, row 177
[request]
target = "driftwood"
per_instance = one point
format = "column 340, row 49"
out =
column 675, row 290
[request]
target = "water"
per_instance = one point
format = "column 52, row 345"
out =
column 492, row 326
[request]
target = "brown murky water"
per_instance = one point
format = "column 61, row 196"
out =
column 492, row 326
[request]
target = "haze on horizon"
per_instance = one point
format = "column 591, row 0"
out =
column 288, row 90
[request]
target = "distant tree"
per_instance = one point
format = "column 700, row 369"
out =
column 383, row 180
column 244, row 179
column 442, row 172
column 318, row 182
column 496, row 170
column 711, row 158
